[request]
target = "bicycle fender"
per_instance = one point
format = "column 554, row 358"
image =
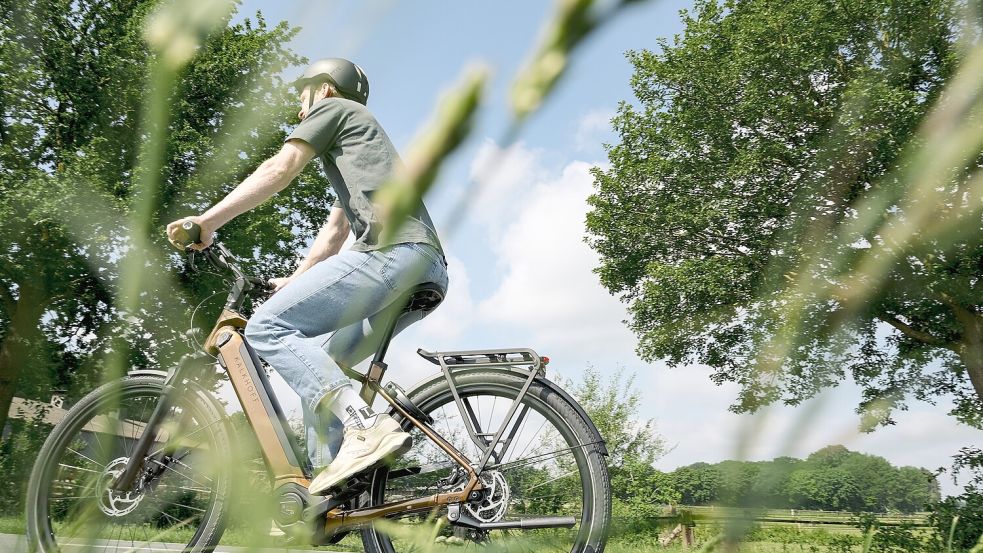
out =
column 602, row 447
column 546, row 383
column 147, row 372
column 194, row 386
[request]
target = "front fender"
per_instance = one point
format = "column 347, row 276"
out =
column 147, row 372
column 192, row 386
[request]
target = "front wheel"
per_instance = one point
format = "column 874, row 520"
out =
column 552, row 467
column 178, row 498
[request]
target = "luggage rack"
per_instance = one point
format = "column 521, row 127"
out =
column 487, row 358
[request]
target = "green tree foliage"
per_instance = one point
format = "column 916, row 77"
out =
column 833, row 478
column 76, row 73
column 638, row 488
column 761, row 138
column 958, row 520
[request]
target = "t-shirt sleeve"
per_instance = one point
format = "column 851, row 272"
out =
column 321, row 126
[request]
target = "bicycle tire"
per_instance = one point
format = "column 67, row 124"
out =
column 429, row 396
column 41, row 533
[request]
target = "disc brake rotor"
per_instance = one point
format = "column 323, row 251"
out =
column 495, row 498
column 115, row 503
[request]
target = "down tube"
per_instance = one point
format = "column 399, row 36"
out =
column 280, row 449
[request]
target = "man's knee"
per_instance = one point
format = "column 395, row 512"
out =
column 259, row 332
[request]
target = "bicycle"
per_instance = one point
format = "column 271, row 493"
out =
column 139, row 461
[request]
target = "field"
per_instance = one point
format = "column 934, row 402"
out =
column 778, row 531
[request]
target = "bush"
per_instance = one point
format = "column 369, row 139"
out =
column 17, row 454
column 968, row 507
column 899, row 538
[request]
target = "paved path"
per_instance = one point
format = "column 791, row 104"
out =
column 10, row 543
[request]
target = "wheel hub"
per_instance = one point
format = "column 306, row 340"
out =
column 112, row 502
column 494, row 500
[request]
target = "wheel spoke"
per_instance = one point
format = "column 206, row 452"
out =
column 85, row 457
column 73, row 481
column 542, row 472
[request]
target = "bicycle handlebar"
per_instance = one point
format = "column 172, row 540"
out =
column 189, row 233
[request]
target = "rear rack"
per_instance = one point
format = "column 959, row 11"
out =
column 486, row 358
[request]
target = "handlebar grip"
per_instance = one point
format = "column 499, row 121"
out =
column 188, row 233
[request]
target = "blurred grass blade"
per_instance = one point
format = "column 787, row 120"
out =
column 178, row 28
column 452, row 123
column 572, row 21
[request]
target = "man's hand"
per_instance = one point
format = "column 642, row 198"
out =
column 279, row 283
column 207, row 233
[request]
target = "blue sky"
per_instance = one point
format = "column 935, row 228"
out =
column 520, row 272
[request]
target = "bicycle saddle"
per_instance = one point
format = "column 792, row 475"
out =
column 424, row 297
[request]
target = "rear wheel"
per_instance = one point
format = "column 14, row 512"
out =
column 179, row 499
column 552, row 468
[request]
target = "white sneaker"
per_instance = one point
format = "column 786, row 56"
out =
column 361, row 449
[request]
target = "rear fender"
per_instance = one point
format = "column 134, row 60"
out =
column 596, row 437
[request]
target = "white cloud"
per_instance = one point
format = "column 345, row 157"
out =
column 503, row 176
column 548, row 291
column 593, row 128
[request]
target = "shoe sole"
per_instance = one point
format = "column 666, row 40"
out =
column 396, row 446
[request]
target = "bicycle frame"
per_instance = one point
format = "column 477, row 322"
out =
column 279, row 450
column 288, row 466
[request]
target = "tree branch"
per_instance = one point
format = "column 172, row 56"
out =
column 914, row 333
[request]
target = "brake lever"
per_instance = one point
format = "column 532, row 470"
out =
column 192, row 262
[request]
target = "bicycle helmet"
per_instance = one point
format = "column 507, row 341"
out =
column 344, row 75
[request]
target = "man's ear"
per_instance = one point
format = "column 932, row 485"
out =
column 325, row 90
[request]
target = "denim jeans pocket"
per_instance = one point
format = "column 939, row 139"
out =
column 387, row 272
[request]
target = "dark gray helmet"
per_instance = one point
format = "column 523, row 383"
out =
column 347, row 77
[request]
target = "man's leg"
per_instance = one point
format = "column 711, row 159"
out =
column 289, row 330
column 354, row 343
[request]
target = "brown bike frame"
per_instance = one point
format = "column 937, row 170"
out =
column 227, row 343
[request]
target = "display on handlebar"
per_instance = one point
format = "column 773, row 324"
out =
column 187, row 234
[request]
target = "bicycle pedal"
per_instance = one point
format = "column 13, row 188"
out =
column 356, row 484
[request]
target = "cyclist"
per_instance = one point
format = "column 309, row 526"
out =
column 322, row 316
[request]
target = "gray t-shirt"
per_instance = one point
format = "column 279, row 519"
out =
column 358, row 158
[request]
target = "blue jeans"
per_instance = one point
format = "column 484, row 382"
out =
column 332, row 315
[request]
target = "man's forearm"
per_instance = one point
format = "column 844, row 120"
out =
column 268, row 179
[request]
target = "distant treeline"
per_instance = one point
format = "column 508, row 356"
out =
column 833, row 478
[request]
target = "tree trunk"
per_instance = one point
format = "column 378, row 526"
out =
column 971, row 350
column 17, row 344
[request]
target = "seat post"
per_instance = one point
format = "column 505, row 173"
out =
column 387, row 334
column 377, row 369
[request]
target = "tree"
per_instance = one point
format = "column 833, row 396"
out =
column 638, row 488
column 77, row 73
column 831, row 478
column 767, row 165
column 698, row 483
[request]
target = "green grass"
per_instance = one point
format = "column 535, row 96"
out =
column 777, row 538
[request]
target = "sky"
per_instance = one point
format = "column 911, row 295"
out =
column 520, row 271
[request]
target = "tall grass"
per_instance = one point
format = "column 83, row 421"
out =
column 947, row 139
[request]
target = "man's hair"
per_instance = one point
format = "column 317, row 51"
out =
column 332, row 89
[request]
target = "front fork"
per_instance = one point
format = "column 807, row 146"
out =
column 138, row 458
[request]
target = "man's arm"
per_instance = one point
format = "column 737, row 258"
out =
column 328, row 242
column 272, row 176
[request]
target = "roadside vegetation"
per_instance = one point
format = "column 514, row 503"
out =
column 795, row 199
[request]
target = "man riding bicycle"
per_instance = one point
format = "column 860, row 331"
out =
column 322, row 317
